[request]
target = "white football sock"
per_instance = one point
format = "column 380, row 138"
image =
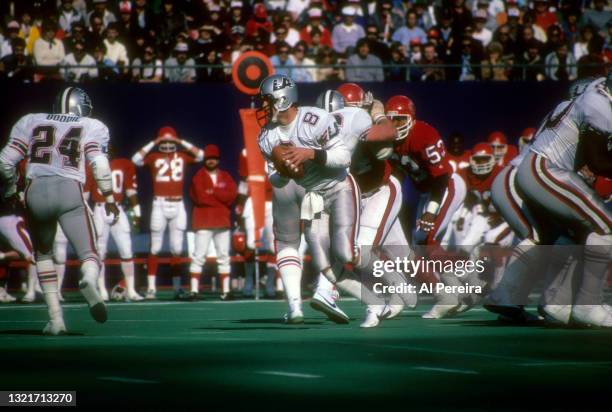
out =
column 48, row 284
column 151, row 282
column 127, row 267
column 89, row 278
column 290, row 268
column 224, row 278
column 195, row 282
column 60, row 269
column 101, row 279
column 32, row 278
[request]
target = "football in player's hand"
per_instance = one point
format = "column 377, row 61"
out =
column 283, row 167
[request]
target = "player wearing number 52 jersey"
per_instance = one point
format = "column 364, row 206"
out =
column 167, row 166
column 56, row 147
column 124, row 184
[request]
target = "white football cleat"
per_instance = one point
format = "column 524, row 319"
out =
column 5, row 297
column 556, row 313
column 151, row 295
column 326, row 303
column 372, row 319
column 134, row 297
column 592, row 315
column 55, row 327
column 440, row 311
column 294, row 316
column 29, row 298
column 391, row 311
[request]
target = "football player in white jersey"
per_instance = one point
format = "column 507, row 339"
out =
column 572, row 145
column 56, row 146
column 311, row 139
column 381, row 193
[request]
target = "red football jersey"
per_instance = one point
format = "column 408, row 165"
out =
column 459, row 162
column 511, row 153
column 422, row 155
column 123, row 174
column 480, row 186
column 168, row 172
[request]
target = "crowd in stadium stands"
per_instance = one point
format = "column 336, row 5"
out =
column 310, row 40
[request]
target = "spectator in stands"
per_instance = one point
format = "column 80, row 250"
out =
column 282, row 58
column 410, row 31
column 210, row 74
column 481, row 33
column 591, row 65
column 538, row 32
column 17, row 65
column 346, row 34
column 107, row 69
column 68, row 16
column 207, row 38
column 502, row 36
column 314, row 23
column 293, row 36
column 434, row 37
column 171, row 23
column 327, row 57
column 414, row 54
column 279, row 36
column 445, row 28
column 531, row 60
column 581, row 47
column 127, row 26
column 296, row 7
column 79, row 57
column 149, row 69
column 78, row 34
column 143, row 15
column 425, row 72
column 561, row 64
column 461, row 16
column 96, row 29
column 377, row 47
column 555, row 38
column 467, row 53
column 570, row 25
column 385, row 20
column 48, row 51
column 101, row 11
column 316, row 37
column 115, row 51
column 425, row 16
column 397, row 70
column 302, row 74
column 514, row 14
column 372, row 70
column 526, row 40
column 236, row 17
column 490, row 10
column 12, row 32
column 597, row 16
column 544, row 17
column 179, row 69
column 494, row 67
column 258, row 22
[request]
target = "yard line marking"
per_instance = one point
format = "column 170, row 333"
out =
column 462, row 371
column 290, row 374
column 124, row 380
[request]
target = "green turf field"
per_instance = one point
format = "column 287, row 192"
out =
column 233, row 354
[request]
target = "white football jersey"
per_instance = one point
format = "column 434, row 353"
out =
column 355, row 123
column 313, row 128
column 558, row 137
column 56, row 144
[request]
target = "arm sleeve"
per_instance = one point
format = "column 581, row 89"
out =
column 15, row 150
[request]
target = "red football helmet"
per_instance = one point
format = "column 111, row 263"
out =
column 402, row 113
column 239, row 242
column 482, row 159
column 526, row 137
column 169, row 145
column 499, row 143
column 353, row 94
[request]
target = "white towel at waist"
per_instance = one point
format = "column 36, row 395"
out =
column 312, row 205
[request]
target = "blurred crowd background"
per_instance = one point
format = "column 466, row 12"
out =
column 310, row 40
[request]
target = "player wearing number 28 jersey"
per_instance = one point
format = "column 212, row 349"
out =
column 167, row 167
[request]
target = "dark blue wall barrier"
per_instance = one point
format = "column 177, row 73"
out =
column 208, row 113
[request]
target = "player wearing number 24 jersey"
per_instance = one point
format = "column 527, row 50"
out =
column 167, row 167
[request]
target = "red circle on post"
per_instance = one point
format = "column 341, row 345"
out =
column 249, row 70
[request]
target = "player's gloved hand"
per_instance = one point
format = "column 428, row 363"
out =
column 377, row 112
column 368, row 99
column 427, row 222
column 112, row 209
column 295, row 156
